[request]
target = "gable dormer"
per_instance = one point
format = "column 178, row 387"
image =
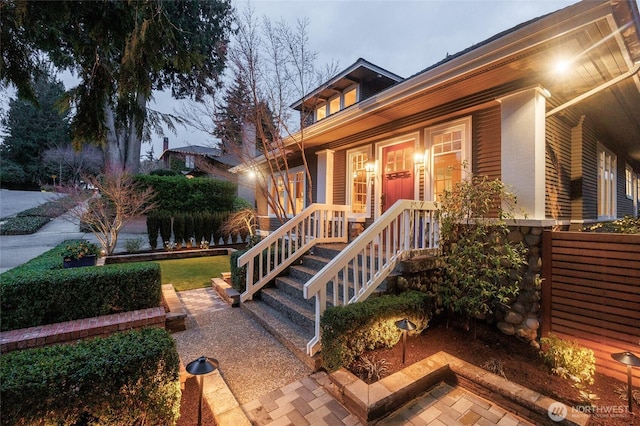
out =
column 356, row 83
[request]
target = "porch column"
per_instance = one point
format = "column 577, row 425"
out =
column 523, row 149
column 324, row 179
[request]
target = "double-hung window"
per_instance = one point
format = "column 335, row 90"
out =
column 629, row 184
column 358, row 188
column 607, row 166
column 288, row 191
column 450, row 150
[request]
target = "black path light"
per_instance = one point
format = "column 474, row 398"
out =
column 630, row 360
column 200, row 367
column 405, row 325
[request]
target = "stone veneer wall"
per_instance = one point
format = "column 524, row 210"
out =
column 522, row 319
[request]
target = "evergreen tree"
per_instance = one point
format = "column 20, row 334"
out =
column 31, row 131
column 121, row 51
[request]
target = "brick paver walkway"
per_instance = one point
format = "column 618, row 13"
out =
column 307, row 402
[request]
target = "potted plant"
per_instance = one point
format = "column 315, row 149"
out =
column 80, row 253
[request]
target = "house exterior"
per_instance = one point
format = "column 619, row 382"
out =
column 565, row 139
column 502, row 108
column 207, row 161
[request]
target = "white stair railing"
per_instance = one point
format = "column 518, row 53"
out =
column 355, row 273
column 318, row 223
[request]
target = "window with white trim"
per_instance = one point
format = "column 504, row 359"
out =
column 607, row 165
column 288, row 193
column 628, row 179
column 358, row 187
column 321, row 112
column 337, row 103
column 450, row 146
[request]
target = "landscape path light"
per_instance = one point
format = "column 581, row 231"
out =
column 405, row 325
column 630, row 360
column 200, row 367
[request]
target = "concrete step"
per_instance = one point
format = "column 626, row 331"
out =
column 293, row 308
column 289, row 334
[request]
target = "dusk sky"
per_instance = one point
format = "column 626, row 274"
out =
column 403, row 37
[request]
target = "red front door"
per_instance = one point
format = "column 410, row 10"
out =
column 397, row 173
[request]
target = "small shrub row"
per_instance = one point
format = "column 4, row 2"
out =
column 203, row 227
column 41, row 292
column 347, row 331
column 30, row 220
column 179, row 194
column 23, row 225
column 127, row 378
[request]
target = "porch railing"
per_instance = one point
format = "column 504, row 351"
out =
column 318, row 223
column 358, row 270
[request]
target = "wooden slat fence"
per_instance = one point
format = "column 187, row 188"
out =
column 591, row 294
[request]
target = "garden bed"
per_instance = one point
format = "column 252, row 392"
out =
column 151, row 255
column 521, row 364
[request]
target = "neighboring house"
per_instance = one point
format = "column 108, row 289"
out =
column 565, row 139
column 206, row 161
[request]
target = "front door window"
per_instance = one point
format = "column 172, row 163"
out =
column 398, row 173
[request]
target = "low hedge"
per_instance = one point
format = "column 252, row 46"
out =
column 23, row 225
column 30, row 220
column 41, row 292
column 126, row 378
column 347, row 331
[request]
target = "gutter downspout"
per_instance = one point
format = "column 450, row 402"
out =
column 633, row 71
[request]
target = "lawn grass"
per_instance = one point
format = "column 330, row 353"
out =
column 187, row 274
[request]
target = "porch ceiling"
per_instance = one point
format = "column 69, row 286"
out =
column 597, row 51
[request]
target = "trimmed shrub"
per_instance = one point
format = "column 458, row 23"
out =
column 165, row 226
column 23, row 225
column 347, row 331
column 127, row 378
column 178, row 229
column 153, row 229
column 188, row 227
column 41, row 292
column 179, row 194
column 238, row 275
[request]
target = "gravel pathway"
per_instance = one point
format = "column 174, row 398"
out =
column 251, row 361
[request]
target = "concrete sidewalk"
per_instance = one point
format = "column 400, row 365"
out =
column 18, row 249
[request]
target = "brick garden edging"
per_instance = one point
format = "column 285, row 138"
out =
column 370, row 402
column 71, row 331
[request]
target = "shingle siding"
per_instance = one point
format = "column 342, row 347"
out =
column 486, row 136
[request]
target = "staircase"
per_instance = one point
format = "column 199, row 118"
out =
column 282, row 309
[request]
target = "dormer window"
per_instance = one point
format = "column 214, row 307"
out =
column 337, row 103
column 321, row 112
column 355, row 84
column 350, row 96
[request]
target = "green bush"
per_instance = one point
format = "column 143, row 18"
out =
column 179, row 194
column 178, row 228
column 238, row 275
column 626, row 225
column 347, row 331
column 49, row 209
column 127, row 378
column 23, row 225
column 41, row 292
column 568, row 359
column 153, row 228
